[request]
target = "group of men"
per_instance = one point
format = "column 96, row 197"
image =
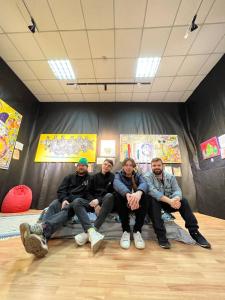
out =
column 125, row 192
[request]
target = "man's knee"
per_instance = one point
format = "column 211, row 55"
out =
column 184, row 202
column 77, row 202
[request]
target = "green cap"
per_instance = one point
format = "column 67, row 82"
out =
column 83, row 161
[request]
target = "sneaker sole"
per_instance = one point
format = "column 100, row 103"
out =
column 33, row 245
column 24, row 233
column 204, row 246
column 126, row 248
column 139, row 248
column 79, row 244
column 96, row 246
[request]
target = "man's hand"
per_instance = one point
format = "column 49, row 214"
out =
column 97, row 209
column 94, row 203
column 175, row 203
column 64, row 204
column 135, row 199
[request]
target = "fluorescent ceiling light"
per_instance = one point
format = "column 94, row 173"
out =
column 147, row 66
column 62, row 69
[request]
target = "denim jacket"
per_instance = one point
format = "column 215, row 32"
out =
column 157, row 189
column 122, row 184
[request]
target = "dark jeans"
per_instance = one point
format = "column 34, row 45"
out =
column 55, row 218
column 124, row 212
column 185, row 211
column 81, row 207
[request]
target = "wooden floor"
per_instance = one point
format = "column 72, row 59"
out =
column 184, row 272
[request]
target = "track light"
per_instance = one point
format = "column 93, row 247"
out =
column 193, row 25
column 32, row 27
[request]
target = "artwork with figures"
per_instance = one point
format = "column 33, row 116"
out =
column 142, row 148
column 10, row 121
column 66, row 147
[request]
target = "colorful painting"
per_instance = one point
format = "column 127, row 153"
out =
column 142, row 148
column 210, row 148
column 10, row 121
column 66, row 147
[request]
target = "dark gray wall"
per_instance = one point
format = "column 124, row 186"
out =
column 205, row 118
column 108, row 120
column 14, row 93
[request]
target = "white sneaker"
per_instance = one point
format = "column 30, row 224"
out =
column 138, row 240
column 125, row 240
column 81, row 239
column 95, row 238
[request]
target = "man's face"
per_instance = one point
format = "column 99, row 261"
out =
column 81, row 169
column 106, row 167
column 128, row 168
column 157, row 167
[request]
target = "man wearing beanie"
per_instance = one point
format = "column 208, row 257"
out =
column 74, row 186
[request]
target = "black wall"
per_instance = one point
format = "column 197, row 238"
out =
column 108, row 120
column 14, row 93
column 205, row 118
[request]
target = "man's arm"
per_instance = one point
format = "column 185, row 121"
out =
column 176, row 191
column 63, row 188
column 119, row 186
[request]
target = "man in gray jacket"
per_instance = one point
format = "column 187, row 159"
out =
column 166, row 194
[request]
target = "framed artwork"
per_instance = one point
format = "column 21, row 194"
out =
column 210, row 148
column 108, row 148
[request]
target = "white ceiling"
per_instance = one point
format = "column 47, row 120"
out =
column 87, row 31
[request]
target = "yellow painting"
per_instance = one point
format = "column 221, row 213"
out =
column 10, row 121
column 66, row 147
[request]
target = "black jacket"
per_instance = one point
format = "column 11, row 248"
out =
column 73, row 186
column 99, row 185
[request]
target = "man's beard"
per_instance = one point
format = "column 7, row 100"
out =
column 157, row 172
column 81, row 172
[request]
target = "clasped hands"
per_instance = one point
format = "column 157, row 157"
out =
column 134, row 199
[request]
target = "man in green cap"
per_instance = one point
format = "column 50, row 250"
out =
column 74, row 186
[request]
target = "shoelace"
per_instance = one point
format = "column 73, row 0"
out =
column 126, row 237
column 37, row 229
column 138, row 237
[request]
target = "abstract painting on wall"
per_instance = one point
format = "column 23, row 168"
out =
column 108, row 148
column 66, row 147
column 142, row 148
column 10, row 121
column 210, row 148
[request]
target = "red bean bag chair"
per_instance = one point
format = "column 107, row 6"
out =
column 17, row 199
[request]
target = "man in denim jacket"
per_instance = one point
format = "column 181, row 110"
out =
column 166, row 194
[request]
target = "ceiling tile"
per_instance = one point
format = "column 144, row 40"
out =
column 59, row 97
column 83, row 68
column 124, row 88
column 69, row 89
column 161, row 84
column 35, row 87
column 75, row 97
column 221, row 46
column 68, row 14
column 52, row 86
column 129, row 13
column 26, row 45
column 101, row 43
column 188, row 9
column 186, row 95
column 161, row 12
column 192, row 64
column 210, row 63
column 89, row 89
column 156, row 96
column 136, row 97
column 104, row 68
column 169, row 65
column 41, row 69
column 98, row 14
column 42, row 14
column 126, row 68
column 212, row 33
column 123, row 97
column 127, row 42
column 142, row 88
column 181, row 83
column 22, row 70
column 177, row 44
column 154, row 41
column 91, row 97
column 51, row 45
column 111, row 97
column 7, row 50
column 110, row 88
column 76, row 44
column 44, row 98
column 173, row 96
column 217, row 12
column 196, row 81
column 11, row 20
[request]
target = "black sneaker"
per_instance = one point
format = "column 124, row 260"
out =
column 200, row 240
column 164, row 244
